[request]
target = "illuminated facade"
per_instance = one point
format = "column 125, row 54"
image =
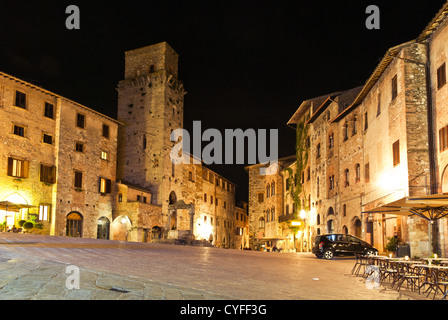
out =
column 56, row 155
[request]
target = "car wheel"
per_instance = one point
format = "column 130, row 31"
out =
column 328, row 254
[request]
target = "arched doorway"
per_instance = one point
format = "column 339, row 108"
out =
column 358, row 228
column 173, row 198
column 74, row 224
column 156, row 232
column 344, row 230
column 121, row 227
column 103, row 228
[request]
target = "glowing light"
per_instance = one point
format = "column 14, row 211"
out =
column 302, row 214
column 204, row 231
column 296, row 223
column 16, row 198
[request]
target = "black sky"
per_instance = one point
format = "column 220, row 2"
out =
column 244, row 64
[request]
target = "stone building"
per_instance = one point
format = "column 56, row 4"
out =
column 84, row 174
column 57, row 156
column 194, row 202
column 241, row 225
column 376, row 144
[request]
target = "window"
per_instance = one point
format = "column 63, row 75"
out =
column 317, row 187
column 441, row 76
column 287, row 209
column 216, row 201
column 378, row 109
column 105, row 185
column 308, row 174
column 355, row 126
column 331, row 141
column 104, row 155
column 394, row 87
column 331, row 182
column 190, row 176
column 18, row 130
column 17, row 168
column 344, row 210
column 48, row 139
column 47, row 173
column 44, row 211
column 49, row 110
column 80, row 120
column 260, row 197
column 20, row 99
column 272, row 188
column 205, row 197
column 78, row 179
column 225, row 205
column 318, row 151
column 105, row 132
column 347, row 177
column 366, row 121
column 358, row 172
column 79, row 146
column 211, row 199
column 268, row 190
column 120, row 197
column 396, row 152
column 140, row 198
column 144, row 141
column 345, row 131
column 443, row 138
column 367, row 172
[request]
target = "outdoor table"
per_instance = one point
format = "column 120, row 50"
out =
column 432, row 277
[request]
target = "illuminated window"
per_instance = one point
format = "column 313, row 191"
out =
column 105, row 185
column 396, row 152
column 17, row 168
column 104, row 155
column 44, row 211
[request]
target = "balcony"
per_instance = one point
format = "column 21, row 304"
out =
column 287, row 217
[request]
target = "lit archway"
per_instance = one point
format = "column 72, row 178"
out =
column 74, row 224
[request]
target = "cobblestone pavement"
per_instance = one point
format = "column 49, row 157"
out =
column 35, row 267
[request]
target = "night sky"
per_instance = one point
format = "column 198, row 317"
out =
column 244, row 64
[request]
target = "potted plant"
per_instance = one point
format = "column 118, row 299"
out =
column 391, row 246
column 28, row 225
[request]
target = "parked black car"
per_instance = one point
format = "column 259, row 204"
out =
column 330, row 245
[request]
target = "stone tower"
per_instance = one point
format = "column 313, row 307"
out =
column 150, row 106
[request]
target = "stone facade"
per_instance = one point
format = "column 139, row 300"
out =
column 58, row 156
column 88, row 175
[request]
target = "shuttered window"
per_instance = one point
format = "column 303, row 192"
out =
column 396, row 152
column 18, row 168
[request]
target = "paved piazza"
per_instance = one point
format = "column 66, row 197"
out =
column 34, row 267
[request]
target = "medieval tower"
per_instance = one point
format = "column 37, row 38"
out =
column 150, row 106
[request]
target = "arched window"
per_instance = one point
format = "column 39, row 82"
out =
column 347, row 177
column 268, row 215
column 273, row 214
column 344, row 210
column 358, row 172
column 331, row 140
column 317, row 185
column 268, row 190
column 272, row 188
column 261, row 222
column 318, row 219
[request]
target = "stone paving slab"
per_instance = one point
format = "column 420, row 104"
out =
column 24, row 277
column 34, row 267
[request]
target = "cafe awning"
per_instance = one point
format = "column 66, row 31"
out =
column 431, row 207
column 11, row 206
